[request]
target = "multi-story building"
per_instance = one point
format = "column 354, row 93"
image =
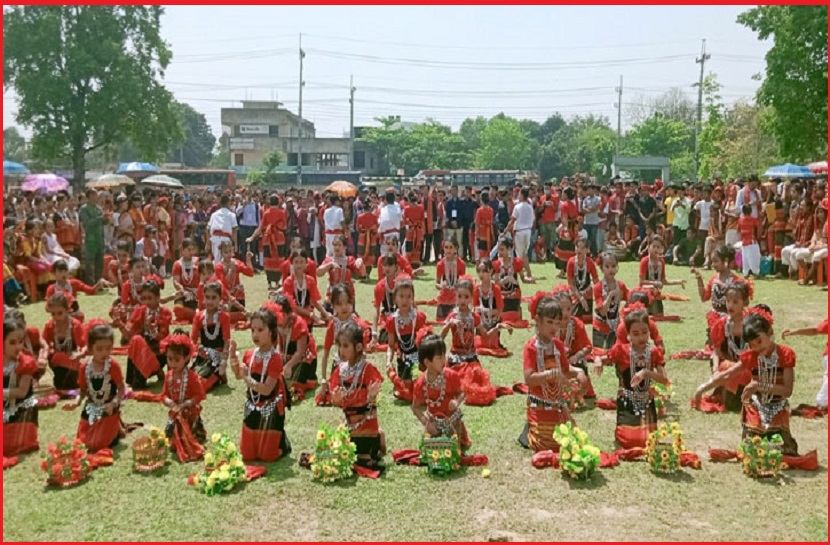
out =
column 261, row 127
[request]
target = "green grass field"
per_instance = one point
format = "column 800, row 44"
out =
column 517, row 502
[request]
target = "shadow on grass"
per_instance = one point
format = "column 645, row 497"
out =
column 677, row 477
column 597, row 480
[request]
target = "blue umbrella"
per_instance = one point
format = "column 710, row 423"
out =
column 12, row 169
column 788, row 170
column 138, row 168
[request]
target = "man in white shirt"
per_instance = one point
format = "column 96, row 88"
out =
column 590, row 208
column 749, row 195
column 703, row 208
column 521, row 222
column 335, row 223
column 389, row 221
column 222, row 226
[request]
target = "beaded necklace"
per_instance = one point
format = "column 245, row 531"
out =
column 64, row 345
column 580, row 274
column 188, row 271
column 217, row 327
column 181, row 382
column 401, row 322
column 341, row 264
column 735, row 350
column 151, row 317
column 389, row 295
column 764, row 401
column 487, row 310
column 352, row 374
column 300, row 293
column 506, row 272
column 438, row 382
column 64, row 288
column 654, row 270
column 451, row 272
column 9, row 402
column 263, row 357
column 550, row 393
column 465, row 330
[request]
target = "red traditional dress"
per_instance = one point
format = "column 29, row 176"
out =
column 304, row 374
column 605, row 327
column 582, row 277
column 484, row 231
column 547, row 406
column 209, row 334
column 651, row 271
column 187, row 275
column 385, row 302
column 413, row 221
column 70, row 289
column 117, row 273
column 147, row 328
column 333, row 328
column 64, row 367
column 654, row 333
column 97, row 429
column 302, row 294
column 463, row 359
column 511, row 290
column 448, row 273
column 436, row 396
column 228, row 275
column 402, row 331
column 575, row 338
column 636, row 412
column 342, row 272
column 185, row 429
column 274, row 247
column 766, row 414
column 715, row 291
column 367, row 240
column 489, row 304
column 263, row 427
column 361, row 416
column 287, row 269
column 20, row 416
column 730, row 348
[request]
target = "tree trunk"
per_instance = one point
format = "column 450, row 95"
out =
column 79, row 167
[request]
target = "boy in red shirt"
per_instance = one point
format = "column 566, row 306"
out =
column 750, row 251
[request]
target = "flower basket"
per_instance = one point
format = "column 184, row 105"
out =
column 150, row 453
column 578, row 458
column 66, row 463
column 224, row 467
column 441, row 455
column 334, row 454
column 761, row 457
column 664, row 447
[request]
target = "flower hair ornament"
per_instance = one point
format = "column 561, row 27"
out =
column 534, row 302
column 758, row 311
column 628, row 309
column 178, row 340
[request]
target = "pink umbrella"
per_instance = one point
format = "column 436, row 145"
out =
column 818, row 168
column 45, row 183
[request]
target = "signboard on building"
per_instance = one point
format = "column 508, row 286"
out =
column 242, row 143
column 253, row 129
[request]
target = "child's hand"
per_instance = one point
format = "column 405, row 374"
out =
column 373, row 390
column 453, row 405
column 697, row 397
column 430, row 429
column 71, row 406
column 337, row 396
column 639, row 377
column 786, row 333
column 249, row 255
column 749, row 391
column 597, row 367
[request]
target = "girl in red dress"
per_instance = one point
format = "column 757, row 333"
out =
column 465, row 324
column 123, row 308
column 343, row 313
column 301, row 290
column 274, row 248
column 263, row 426
column 609, row 295
column 20, row 412
column 71, row 287
column 385, row 304
column 149, row 324
column 186, row 280
column 547, row 375
column 298, row 349
column 509, row 270
column 211, row 334
column 183, row 395
column 66, row 338
column 355, row 385
column 287, row 266
column 489, row 304
column 638, row 364
column 653, row 274
column 228, row 271
column 575, row 340
column 638, row 299
column 449, row 270
column 484, row 228
column 102, row 389
column 438, row 395
column 582, row 275
column 715, row 290
column 341, row 267
column 402, row 328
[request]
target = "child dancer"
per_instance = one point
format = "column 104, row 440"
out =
column 448, row 271
column 211, row 334
column 128, row 301
column 392, row 245
column 183, row 395
column 609, row 295
column 287, row 267
column 438, row 395
column 728, row 345
column 715, row 290
column 341, row 267
column 547, row 375
column 385, row 304
column 119, row 268
column 20, row 412
column 508, row 271
column 402, row 327
column 102, row 389
column 29, row 252
column 465, row 324
column 263, row 426
column 301, row 290
column 575, row 340
column 489, row 304
column 298, row 349
column 149, row 324
column 355, row 385
column 638, row 299
column 580, row 272
column 638, row 364
column 229, row 269
column 70, row 287
column 186, row 280
column 343, row 313
column 66, row 341
column 653, row 274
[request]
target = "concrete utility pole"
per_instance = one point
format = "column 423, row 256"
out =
column 619, row 91
column 351, row 122
column 300, row 121
column 702, row 62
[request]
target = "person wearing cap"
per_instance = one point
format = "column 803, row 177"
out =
column 222, row 227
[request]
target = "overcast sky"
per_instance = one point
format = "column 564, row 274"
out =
column 449, row 62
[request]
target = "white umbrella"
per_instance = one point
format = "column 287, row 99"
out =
column 162, row 180
column 108, row 181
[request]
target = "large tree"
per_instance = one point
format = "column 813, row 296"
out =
column 584, row 144
column 89, row 76
column 747, row 145
column 196, row 149
column 14, row 145
column 505, row 144
column 795, row 84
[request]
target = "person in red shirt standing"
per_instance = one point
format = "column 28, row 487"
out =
column 414, row 222
column 274, row 246
column 484, row 228
column 546, row 211
column 750, row 251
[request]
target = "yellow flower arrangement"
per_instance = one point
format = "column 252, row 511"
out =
column 761, row 456
column 441, row 455
column 664, row 447
column 224, row 467
column 578, row 458
column 334, row 454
